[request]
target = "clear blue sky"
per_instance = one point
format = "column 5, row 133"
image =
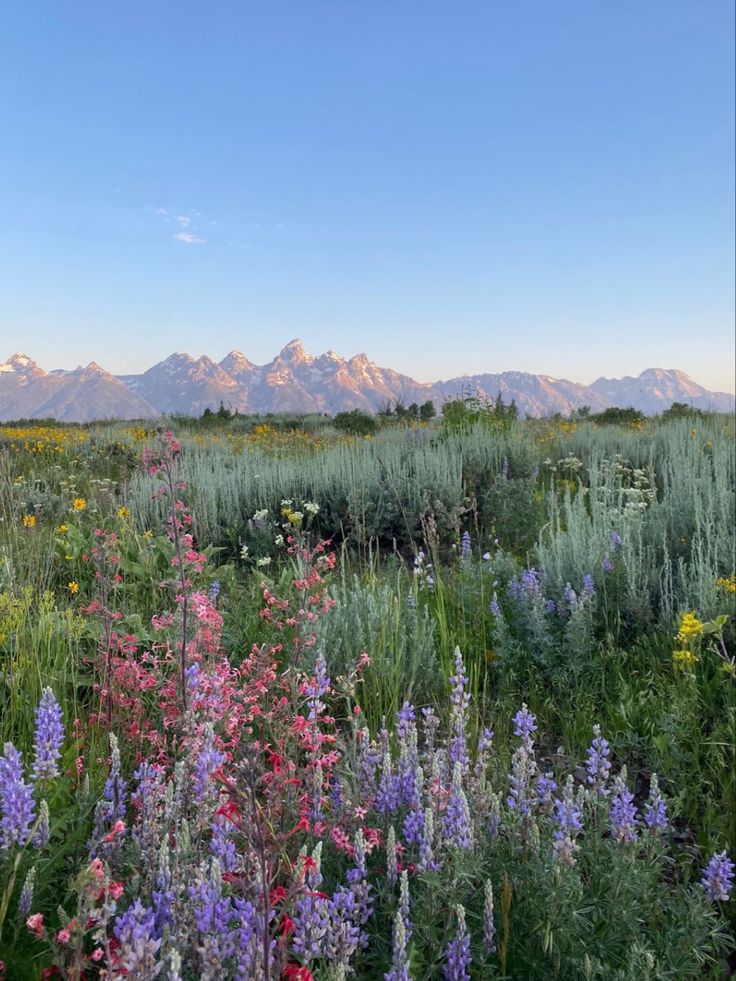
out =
column 448, row 186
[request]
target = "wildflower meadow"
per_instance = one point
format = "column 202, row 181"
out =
column 451, row 699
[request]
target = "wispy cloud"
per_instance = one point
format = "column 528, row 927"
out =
column 189, row 238
column 187, row 233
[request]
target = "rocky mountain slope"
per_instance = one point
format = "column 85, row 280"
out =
column 297, row 381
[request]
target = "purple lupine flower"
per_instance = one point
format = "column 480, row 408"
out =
column 456, row 828
column 465, row 546
column 208, row 760
column 213, row 915
column 457, row 952
column 390, row 786
column 358, row 880
column 404, row 717
column 494, row 605
column 414, row 820
column 523, row 764
column 569, row 821
column 316, row 687
column 616, row 541
column 514, row 589
column 399, row 960
column 545, row 786
column 311, row 917
column 427, row 862
column 524, row 723
column 531, row 583
column 623, row 813
column 607, row 564
column 457, row 750
column 494, row 815
column 588, row 587
column 550, row 607
column 16, row 800
column 598, row 765
column 570, row 597
column 248, row 945
column 489, row 927
column 336, row 801
column 48, row 737
column 655, row 809
column 222, row 844
column 252, row 960
column 136, row 932
column 148, row 797
column 718, row 877
column 163, row 894
column 214, row 591
column 405, row 904
column 343, row 932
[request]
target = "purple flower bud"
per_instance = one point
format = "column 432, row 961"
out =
column 399, row 960
column 465, row 546
column 607, row 564
column 25, row 900
column 459, row 699
column 489, row 927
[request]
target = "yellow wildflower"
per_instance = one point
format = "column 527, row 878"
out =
column 729, row 584
column 79, row 504
column 148, row 533
column 63, row 529
column 123, row 513
column 690, row 628
column 685, row 660
column 73, row 586
column 29, row 520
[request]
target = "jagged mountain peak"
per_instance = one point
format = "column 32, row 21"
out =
column 20, row 364
column 295, row 352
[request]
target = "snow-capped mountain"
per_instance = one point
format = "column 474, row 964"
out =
column 183, row 384
column 659, row 387
column 86, row 393
column 297, row 381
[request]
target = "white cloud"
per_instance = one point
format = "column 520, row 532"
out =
column 189, row 238
column 184, row 220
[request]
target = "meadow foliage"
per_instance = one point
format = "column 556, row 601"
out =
column 440, row 701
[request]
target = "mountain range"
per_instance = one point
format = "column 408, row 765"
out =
column 297, row 381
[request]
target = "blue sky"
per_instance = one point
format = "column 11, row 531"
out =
column 447, row 186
